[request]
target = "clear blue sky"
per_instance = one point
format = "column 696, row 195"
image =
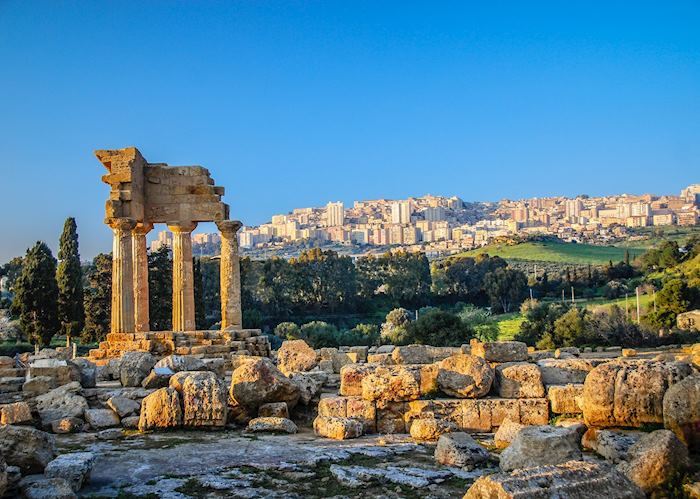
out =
column 293, row 104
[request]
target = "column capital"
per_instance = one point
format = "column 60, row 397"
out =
column 179, row 227
column 122, row 223
column 229, row 227
column 143, row 228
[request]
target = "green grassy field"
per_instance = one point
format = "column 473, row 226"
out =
column 509, row 325
column 560, row 252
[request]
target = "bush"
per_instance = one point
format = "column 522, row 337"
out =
column 480, row 322
column 439, row 328
column 320, row 334
column 395, row 327
column 288, row 331
column 360, row 335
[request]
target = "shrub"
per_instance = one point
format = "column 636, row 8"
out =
column 320, row 334
column 394, row 329
column 287, row 331
column 439, row 328
column 480, row 322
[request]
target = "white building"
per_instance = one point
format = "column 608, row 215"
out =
column 335, row 214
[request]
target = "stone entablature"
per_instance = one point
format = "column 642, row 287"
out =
column 143, row 194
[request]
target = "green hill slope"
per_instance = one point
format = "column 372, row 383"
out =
column 560, row 252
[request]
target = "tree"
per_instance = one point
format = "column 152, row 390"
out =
column 199, row 315
column 539, row 320
column 571, row 329
column 98, row 299
column 394, row 330
column 36, row 295
column 71, row 311
column 674, row 298
column 160, row 289
column 439, row 328
column 506, row 288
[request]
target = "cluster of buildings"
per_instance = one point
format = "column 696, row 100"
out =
column 444, row 225
column 592, row 219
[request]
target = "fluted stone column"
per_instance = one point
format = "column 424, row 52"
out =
column 230, row 275
column 122, row 320
column 140, row 255
column 183, row 277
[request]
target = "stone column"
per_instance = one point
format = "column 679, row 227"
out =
column 140, row 255
column 183, row 277
column 122, row 276
column 230, row 275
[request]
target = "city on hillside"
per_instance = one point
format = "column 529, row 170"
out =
column 441, row 226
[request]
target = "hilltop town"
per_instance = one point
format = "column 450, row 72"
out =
column 439, row 225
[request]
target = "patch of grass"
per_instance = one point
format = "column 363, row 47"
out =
column 557, row 251
column 193, row 488
column 508, row 325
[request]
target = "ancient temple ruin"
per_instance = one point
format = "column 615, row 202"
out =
column 143, row 194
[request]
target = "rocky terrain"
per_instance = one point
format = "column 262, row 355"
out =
column 484, row 420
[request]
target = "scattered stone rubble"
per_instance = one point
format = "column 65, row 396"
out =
column 459, row 404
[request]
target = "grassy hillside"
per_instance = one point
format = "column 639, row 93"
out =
column 560, row 252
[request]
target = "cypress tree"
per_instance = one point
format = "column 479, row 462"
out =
column 98, row 299
column 36, row 295
column 71, row 311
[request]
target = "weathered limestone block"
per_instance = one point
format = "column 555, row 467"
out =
column 500, row 351
column 260, row 382
column 390, row 418
column 38, row 386
column 274, row 410
column 391, row 384
column 67, row 425
column 74, row 468
column 465, row 376
column 428, row 379
column 430, row 429
column 564, row 371
column 361, row 352
column 310, row 385
column 337, row 428
column 539, row 446
column 59, row 370
column 134, row 367
column 380, row 358
column 412, row 354
column 612, row 445
column 565, row 399
column 101, row 418
column 460, row 450
column 15, row 413
column 351, row 376
column 295, row 356
column 571, row 480
column 123, row 406
column 533, row 411
column 271, row 425
column 356, row 408
column 340, row 359
column 62, row 402
column 41, row 487
column 681, row 407
column 159, row 377
column 629, row 393
column 26, row 447
column 204, row 401
column 161, row 410
column 506, row 433
column 519, row 380
column 655, row 459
